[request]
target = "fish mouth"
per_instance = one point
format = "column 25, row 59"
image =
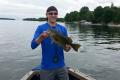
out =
column 49, row 32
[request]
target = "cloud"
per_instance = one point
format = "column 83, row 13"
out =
column 9, row 8
column 37, row 8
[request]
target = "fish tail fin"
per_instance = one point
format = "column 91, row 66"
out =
column 75, row 46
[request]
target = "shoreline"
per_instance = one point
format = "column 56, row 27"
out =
column 96, row 24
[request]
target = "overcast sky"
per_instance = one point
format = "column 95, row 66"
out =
column 37, row 8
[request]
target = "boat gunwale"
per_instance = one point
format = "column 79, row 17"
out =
column 76, row 73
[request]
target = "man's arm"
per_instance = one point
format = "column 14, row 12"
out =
column 37, row 33
column 38, row 40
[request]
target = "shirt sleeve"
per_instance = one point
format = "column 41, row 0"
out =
column 37, row 33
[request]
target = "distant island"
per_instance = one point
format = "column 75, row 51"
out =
column 34, row 19
column 41, row 19
column 7, row 19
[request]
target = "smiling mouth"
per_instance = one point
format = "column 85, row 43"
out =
column 54, row 18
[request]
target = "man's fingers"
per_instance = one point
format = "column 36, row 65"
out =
column 68, row 47
column 45, row 34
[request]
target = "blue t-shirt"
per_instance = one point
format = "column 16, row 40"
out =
column 50, row 49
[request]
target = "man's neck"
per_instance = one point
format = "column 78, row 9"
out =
column 52, row 24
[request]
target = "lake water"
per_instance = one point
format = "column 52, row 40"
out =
column 99, row 55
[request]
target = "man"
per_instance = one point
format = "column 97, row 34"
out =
column 52, row 64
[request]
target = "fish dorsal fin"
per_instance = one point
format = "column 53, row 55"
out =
column 69, row 40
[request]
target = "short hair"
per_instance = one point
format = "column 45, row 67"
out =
column 51, row 8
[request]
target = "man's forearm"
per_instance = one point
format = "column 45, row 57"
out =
column 36, row 42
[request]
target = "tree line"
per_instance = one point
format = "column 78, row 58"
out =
column 103, row 15
column 42, row 19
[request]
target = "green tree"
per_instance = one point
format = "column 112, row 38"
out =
column 116, row 13
column 67, row 17
column 98, row 14
column 90, row 16
column 85, row 14
column 107, row 15
column 84, row 11
column 72, row 16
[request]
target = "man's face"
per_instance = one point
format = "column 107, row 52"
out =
column 52, row 16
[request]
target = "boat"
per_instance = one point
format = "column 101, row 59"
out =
column 73, row 75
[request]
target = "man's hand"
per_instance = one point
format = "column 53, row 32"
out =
column 44, row 35
column 67, row 47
